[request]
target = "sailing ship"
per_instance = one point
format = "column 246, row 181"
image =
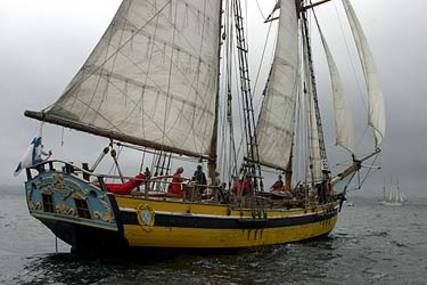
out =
column 393, row 196
column 161, row 80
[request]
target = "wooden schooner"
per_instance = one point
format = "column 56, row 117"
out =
column 154, row 82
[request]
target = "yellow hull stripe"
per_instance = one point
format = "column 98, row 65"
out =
column 171, row 237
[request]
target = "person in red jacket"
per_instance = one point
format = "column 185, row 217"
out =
column 175, row 187
column 127, row 187
column 245, row 186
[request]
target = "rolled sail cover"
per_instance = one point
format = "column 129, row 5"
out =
column 275, row 127
column 152, row 77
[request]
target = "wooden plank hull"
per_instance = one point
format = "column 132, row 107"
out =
column 114, row 221
column 185, row 225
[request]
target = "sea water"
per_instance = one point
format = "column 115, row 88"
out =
column 371, row 244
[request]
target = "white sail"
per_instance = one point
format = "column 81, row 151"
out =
column 376, row 107
column 275, row 129
column 344, row 126
column 391, row 194
column 152, row 77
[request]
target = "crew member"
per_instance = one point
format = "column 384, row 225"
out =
column 175, row 187
column 199, row 178
column 277, row 187
column 127, row 187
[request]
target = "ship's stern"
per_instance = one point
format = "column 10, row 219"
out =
column 76, row 211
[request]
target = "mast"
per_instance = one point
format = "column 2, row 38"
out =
column 214, row 142
column 251, row 165
column 229, row 105
column 306, row 37
column 288, row 172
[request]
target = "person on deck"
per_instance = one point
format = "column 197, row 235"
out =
column 175, row 187
column 39, row 155
column 235, row 185
column 217, row 181
column 38, row 158
column 199, row 178
column 216, row 190
column 329, row 192
column 277, row 187
column 147, row 174
column 126, row 187
column 246, row 186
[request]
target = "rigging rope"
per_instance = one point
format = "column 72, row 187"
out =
column 262, row 55
column 349, row 57
column 116, row 156
column 260, row 10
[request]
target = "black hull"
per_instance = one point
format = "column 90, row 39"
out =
column 85, row 239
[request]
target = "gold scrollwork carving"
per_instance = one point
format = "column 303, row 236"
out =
column 65, row 210
column 58, row 182
column 108, row 217
column 78, row 196
column 97, row 215
column 31, row 205
column 38, row 206
column 47, row 190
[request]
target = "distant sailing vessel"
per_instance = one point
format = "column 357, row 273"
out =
column 162, row 80
column 393, row 196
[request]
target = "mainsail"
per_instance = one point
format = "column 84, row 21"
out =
column 152, row 79
column 375, row 96
column 344, row 127
column 275, row 129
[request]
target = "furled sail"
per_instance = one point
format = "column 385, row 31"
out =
column 275, row 129
column 376, row 107
column 344, row 126
column 152, row 78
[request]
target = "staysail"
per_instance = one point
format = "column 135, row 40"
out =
column 152, row 78
column 275, row 129
column 376, row 107
column 344, row 126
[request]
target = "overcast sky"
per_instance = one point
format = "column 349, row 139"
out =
column 45, row 42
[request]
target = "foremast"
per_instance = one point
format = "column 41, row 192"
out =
column 213, row 153
column 251, row 164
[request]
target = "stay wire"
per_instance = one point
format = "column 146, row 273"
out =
column 349, row 57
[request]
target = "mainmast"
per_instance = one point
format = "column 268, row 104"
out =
column 307, row 43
